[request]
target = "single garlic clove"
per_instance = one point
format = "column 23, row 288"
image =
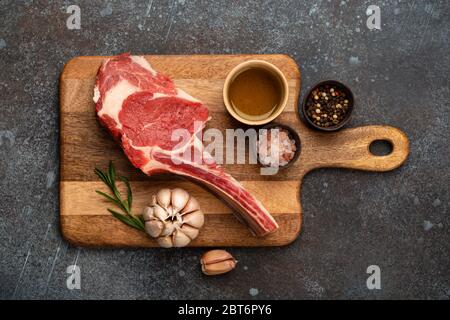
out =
column 180, row 239
column 191, row 205
column 191, row 232
column 179, row 199
column 213, row 256
column 154, row 201
column 163, row 197
column 160, row 212
column 165, row 242
column 195, row 219
column 147, row 213
column 154, row 228
column 168, row 228
column 217, row 262
column 219, row 267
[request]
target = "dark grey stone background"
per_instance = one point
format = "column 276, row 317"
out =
column 397, row 220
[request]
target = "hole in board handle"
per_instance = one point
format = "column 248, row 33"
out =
column 381, row 148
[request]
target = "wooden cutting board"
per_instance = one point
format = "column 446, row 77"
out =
column 85, row 145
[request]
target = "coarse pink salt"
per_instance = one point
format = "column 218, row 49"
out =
column 275, row 147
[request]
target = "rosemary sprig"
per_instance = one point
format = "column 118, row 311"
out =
column 109, row 178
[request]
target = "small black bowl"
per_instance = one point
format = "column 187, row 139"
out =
column 292, row 134
column 349, row 96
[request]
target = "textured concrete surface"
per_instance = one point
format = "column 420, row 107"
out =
column 397, row 220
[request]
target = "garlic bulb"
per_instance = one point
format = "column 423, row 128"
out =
column 174, row 218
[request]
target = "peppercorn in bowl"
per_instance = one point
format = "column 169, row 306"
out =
column 328, row 105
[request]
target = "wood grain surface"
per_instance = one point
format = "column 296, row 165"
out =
column 85, row 145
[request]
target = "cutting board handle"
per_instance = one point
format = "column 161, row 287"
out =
column 349, row 148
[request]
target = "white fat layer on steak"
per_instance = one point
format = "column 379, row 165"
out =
column 180, row 94
column 140, row 60
column 96, row 94
column 114, row 98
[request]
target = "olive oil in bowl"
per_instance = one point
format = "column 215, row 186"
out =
column 255, row 92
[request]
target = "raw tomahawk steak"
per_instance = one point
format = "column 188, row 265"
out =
column 141, row 108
